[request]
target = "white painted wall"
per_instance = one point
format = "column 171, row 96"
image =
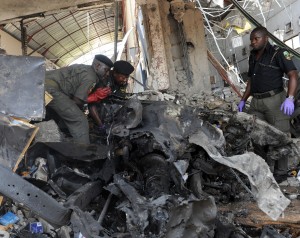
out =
column 12, row 46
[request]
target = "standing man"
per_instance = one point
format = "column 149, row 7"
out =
column 115, row 84
column 70, row 87
column 270, row 102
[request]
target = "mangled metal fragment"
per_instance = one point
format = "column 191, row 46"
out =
column 166, row 144
column 83, row 223
column 129, row 116
column 171, row 125
column 263, row 185
column 137, row 210
column 15, row 137
column 47, row 208
column 167, row 215
column 18, row 189
column 263, row 134
column 84, row 195
column 41, row 172
column 156, row 175
column 70, row 150
column 269, row 231
column 162, row 120
column 192, row 218
column 260, row 131
column 22, row 86
column 66, row 181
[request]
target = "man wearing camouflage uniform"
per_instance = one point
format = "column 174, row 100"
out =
column 70, row 87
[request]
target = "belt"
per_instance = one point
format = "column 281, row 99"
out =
column 267, row 94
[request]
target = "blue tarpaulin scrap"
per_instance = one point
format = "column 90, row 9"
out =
column 8, row 218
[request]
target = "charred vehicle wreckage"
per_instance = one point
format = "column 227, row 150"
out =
column 162, row 171
column 165, row 168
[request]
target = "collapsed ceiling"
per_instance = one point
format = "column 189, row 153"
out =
column 61, row 32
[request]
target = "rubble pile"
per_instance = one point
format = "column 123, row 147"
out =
column 164, row 169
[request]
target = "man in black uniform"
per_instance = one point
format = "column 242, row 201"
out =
column 270, row 102
column 70, row 87
column 115, row 84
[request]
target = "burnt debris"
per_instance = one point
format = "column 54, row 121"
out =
column 161, row 170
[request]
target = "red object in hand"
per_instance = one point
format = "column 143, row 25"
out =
column 99, row 94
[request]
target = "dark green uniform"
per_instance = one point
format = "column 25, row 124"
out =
column 267, row 90
column 63, row 84
column 267, row 85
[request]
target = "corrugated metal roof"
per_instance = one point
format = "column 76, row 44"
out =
column 65, row 36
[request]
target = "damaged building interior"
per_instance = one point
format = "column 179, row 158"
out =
column 174, row 156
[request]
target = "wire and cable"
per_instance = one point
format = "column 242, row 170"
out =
column 215, row 39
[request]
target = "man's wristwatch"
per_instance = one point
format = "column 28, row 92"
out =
column 290, row 97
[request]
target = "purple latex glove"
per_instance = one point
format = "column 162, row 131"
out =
column 241, row 105
column 288, row 106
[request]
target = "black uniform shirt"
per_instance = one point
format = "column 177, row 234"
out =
column 266, row 73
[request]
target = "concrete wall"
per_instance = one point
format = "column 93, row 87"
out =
column 14, row 47
column 11, row 45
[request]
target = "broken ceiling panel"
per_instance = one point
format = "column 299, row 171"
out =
column 63, row 33
column 65, row 36
column 22, row 86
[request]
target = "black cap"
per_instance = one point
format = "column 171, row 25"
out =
column 104, row 59
column 123, row 67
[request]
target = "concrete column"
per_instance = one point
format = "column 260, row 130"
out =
column 159, row 77
column 193, row 28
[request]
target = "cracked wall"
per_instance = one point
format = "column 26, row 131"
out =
column 176, row 46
